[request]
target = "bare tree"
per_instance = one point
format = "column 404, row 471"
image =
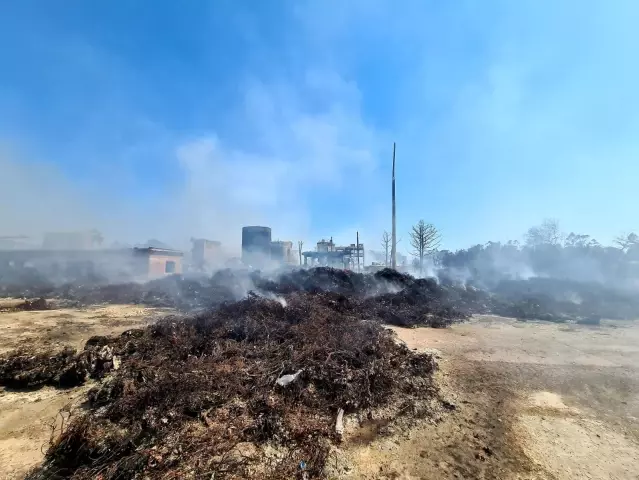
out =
column 387, row 240
column 300, row 245
column 424, row 238
column 547, row 233
column 386, row 244
column 626, row 241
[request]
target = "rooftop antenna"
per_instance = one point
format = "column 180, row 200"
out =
column 394, row 234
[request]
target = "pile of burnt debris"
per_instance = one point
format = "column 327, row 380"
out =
column 395, row 298
column 26, row 369
column 388, row 295
column 562, row 300
column 253, row 378
column 257, row 388
column 30, row 305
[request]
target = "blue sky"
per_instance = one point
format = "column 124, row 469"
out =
column 176, row 119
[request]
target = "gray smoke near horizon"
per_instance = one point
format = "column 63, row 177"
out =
column 37, row 198
column 549, row 254
column 174, row 188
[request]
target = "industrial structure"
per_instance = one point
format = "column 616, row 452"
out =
column 205, row 254
column 329, row 254
column 68, row 255
column 259, row 250
column 282, row 252
column 256, row 245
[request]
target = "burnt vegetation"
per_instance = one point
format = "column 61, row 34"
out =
column 197, row 397
column 467, row 283
column 177, row 398
column 24, row 369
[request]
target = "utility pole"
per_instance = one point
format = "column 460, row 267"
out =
column 357, row 252
column 300, row 244
column 394, row 234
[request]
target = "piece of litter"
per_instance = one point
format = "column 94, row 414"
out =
column 339, row 424
column 286, row 379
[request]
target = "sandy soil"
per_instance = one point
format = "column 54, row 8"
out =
column 526, row 400
column 532, row 400
column 26, row 418
column 67, row 326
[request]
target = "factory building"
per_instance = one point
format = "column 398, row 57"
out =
column 256, row 245
column 282, row 252
column 326, row 246
column 260, row 251
column 205, row 254
column 327, row 253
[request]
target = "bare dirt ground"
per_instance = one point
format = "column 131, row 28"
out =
column 26, row 417
column 528, row 400
column 72, row 327
column 532, row 400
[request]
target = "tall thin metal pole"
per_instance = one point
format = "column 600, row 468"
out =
column 394, row 234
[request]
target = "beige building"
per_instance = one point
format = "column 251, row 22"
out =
column 158, row 262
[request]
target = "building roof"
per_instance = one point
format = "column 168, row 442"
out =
column 159, row 251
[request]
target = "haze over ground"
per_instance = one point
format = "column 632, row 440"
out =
column 165, row 120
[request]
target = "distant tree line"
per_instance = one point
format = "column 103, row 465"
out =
column 546, row 252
